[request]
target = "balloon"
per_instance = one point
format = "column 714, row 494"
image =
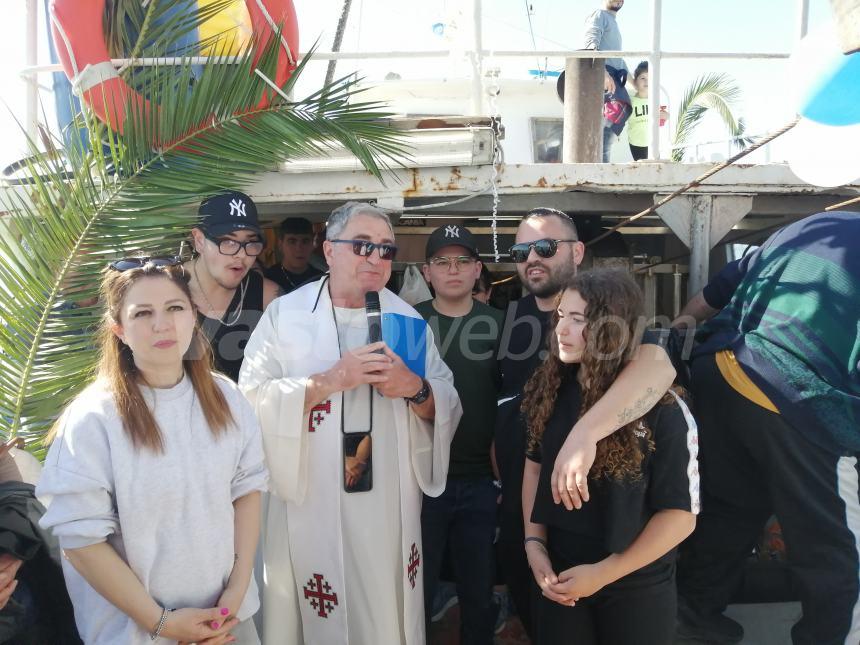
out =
column 824, row 155
column 826, row 81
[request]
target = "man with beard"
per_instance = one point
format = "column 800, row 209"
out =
column 230, row 298
column 547, row 253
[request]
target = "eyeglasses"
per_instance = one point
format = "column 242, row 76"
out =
column 365, row 248
column 459, row 261
column 545, row 248
column 229, row 246
column 126, row 264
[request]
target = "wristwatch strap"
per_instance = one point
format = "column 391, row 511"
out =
column 422, row 395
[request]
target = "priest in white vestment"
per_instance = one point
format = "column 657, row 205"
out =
column 346, row 567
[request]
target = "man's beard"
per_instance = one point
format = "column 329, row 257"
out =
column 557, row 279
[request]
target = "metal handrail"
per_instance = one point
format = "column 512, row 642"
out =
column 655, row 55
column 372, row 55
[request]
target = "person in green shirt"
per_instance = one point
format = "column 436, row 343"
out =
column 638, row 134
column 463, row 518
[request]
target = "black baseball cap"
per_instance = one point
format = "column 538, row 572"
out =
column 452, row 235
column 227, row 212
column 296, row 226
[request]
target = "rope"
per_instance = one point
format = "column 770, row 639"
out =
column 841, row 204
column 698, row 180
column 65, row 38
column 275, row 30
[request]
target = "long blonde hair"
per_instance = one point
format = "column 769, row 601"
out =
column 117, row 369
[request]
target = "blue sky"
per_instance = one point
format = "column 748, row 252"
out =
column 708, row 25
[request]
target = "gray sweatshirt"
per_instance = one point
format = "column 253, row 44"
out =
column 602, row 34
column 169, row 516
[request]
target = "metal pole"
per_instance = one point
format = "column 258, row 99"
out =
column 700, row 243
column 31, row 51
column 654, row 80
column 338, row 39
column 802, row 18
column 476, row 56
column 583, row 110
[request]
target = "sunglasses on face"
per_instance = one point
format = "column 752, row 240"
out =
column 228, row 246
column 545, row 248
column 126, row 264
column 364, row 248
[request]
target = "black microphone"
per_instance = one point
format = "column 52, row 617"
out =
column 374, row 317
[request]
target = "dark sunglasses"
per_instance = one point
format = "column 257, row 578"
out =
column 365, row 248
column 228, row 246
column 545, row 248
column 126, row 264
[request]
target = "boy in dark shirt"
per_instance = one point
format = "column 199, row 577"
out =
column 464, row 516
column 296, row 244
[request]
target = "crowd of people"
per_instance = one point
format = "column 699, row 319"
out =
column 551, row 446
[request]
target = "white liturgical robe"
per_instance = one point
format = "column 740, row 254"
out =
column 339, row 567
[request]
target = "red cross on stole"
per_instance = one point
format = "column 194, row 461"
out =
column 317, row 414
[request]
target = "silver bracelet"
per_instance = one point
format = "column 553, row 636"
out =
column 534, row 538
column 154, row 635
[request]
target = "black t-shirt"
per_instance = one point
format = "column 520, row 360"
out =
column 229, row 335
column 521, row 350
column 468, row 345
column 289, row 281
column 617, row 510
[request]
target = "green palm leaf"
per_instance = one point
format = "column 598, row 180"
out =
column 108, row 195
column 711, row 92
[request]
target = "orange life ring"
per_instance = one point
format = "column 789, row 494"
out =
column 80, row 43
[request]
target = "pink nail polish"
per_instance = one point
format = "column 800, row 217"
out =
column 215, row 625
column 224, row 611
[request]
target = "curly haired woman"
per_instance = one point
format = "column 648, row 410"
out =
column 607, row 570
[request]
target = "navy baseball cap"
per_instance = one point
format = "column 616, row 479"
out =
column 452, row 235
column 227, row 212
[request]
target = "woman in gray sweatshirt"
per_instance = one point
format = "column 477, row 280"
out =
column 155, row 473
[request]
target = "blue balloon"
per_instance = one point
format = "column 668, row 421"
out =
column 833, row 96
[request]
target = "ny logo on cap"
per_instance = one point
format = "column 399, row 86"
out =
column 237, row 208
column 452, row 231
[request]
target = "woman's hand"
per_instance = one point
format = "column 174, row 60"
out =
column 569, row 479
column 541, row 567
column 231, row 599
column 578, row 582
column 192, row 625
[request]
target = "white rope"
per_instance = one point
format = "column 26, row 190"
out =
column 65, row 38
column 272, row 84
column 275, row 30
column 92, row 76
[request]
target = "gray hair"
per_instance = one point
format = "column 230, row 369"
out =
column 341, row 215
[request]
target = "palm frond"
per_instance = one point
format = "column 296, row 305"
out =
column 109, row 194
column 714, row 92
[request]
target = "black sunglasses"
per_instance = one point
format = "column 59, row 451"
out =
column 365, row 248
column 126, row 264
column 228, row 246
column 545, row 248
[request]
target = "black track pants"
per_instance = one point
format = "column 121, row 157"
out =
column 753, row 463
